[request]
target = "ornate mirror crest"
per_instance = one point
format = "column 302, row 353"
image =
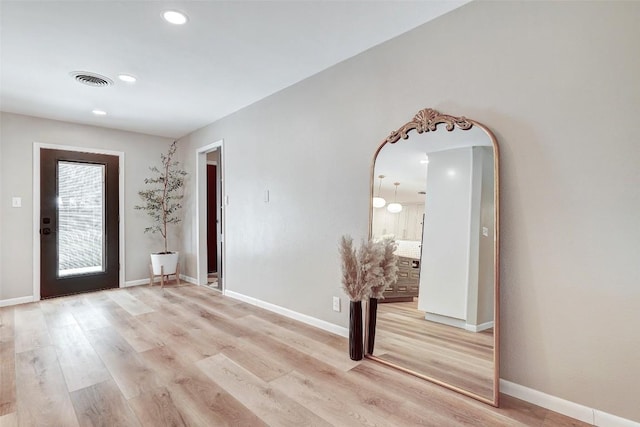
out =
column 427, row 120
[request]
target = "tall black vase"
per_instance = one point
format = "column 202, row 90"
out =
column 373, row 314
column 355, row 330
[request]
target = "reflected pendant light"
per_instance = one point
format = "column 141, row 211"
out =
column 379, row 202
column 395, row 207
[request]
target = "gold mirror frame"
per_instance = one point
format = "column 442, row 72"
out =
column 428, row 120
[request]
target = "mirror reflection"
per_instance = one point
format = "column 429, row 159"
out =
column 435, row 194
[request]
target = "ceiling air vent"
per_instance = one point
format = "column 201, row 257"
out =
column 91, row 79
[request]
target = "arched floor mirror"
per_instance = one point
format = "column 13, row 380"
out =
column 434, row 189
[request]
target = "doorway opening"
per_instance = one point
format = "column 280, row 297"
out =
column 210, row 216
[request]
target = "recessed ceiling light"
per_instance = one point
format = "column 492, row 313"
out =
column 99, row 112
column 174, row 17
column 127, row 78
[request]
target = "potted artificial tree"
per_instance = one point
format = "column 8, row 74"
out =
column 162, row 204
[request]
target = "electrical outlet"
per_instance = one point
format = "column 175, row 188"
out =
column 336, row 303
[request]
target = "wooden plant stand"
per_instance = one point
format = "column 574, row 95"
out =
column 162, row 275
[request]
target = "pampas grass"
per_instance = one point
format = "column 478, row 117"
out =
column 350, row 283
column 369, row 270
column 389, row 265
column 370, row 258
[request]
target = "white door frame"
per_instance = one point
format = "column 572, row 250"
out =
column 36, row 207
column 201, row 213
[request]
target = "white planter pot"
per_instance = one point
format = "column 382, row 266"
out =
column 164, row 263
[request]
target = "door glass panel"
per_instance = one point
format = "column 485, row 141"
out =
column 80, row 218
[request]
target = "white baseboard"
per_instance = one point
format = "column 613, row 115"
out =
column 603, row 419
column 136, row 282
column 188, row 279
column 16, row 301
column 445, row 320
column 155, row 280
column 565, row 407
column 330, row 327
column 479, row 328
column 457, row 323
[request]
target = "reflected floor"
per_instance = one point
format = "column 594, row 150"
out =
column 461, row 358
column 212, row 281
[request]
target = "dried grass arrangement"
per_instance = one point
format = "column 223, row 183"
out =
column 368, row 271
column 389, row 265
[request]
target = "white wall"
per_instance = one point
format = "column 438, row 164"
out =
column 444, row 268
column 558, row 83
column 486, row 250
column 481, row 247
column 17, row 135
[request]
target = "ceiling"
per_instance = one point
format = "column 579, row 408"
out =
column 402, row 162
column 228, row 55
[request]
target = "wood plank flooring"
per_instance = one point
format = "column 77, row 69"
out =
column 187, row 356
column 446, row 353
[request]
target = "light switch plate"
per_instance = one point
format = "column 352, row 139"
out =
column 16, row 202
column 485, row 231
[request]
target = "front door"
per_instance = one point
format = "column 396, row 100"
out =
column 79, row 208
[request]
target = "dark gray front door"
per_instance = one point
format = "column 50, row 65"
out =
column 79, row 238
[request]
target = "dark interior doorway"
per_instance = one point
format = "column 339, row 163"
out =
column 212, row 218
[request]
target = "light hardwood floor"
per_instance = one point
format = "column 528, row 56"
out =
column 189, row 356
column 446, row 353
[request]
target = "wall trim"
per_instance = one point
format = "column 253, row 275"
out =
column 156, row 280
column 313, row 321
column 565, row 407
column 190, row 279
column 16, row 301
column 479, row 328
column 446, row 320
column 604, row 419
column 138, row 282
